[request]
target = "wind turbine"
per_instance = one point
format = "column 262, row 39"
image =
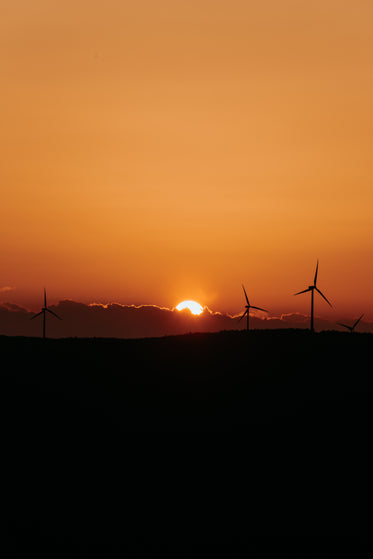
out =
column 351, row 328
column 313, row 288
column 43, row 311
column 248, row 307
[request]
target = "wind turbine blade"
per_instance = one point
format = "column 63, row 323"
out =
column 54, row 314
column 45, row 298
column 304, row 291
column 323, row 296
column 315, row 278
column 247, row 300
column 36, row 315
column 344, row 325
column 258, row 309
column 358, row 320
column 241, row 317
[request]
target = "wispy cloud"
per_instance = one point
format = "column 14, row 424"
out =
column 295, row 317
column 112, row 304
column 6, row 288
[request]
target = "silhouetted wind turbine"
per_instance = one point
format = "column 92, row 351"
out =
column 247, row 311
column 312, row 288
column 43, row 311
column 351, row 328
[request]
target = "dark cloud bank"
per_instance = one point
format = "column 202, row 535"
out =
column 129, row 321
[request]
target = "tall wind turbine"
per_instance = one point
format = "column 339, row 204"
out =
column 247, row 311
column 313, row 288
column 351, row 328
column 43, row 311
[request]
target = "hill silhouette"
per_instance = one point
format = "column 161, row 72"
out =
column 185, row 440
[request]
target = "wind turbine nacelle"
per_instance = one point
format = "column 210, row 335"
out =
column 311, row 287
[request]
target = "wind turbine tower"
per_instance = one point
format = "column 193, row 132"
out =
column 314, row 288
column 247, row 309
column 43, row 312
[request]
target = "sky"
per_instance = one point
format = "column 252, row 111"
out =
column 159, row 151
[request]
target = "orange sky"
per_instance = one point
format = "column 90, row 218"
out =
column 159, row 151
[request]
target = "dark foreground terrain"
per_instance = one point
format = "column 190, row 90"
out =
column 173, row 444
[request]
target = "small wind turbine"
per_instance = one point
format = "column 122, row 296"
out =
column 351, row 328
column 43, row 311
column 312, row 288
column 247, row 311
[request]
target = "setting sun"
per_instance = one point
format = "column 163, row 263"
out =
column 193, row 306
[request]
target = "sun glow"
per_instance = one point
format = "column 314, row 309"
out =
column 193, row 306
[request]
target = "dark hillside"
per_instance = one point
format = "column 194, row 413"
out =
column 186, row 439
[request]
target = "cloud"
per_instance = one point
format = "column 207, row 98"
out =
column 138, row 321
column 295, row 318
column 13, row 307
column 6, row 288
column 133, row 321
column 112, row 320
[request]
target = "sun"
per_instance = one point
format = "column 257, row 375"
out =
column 193, row 306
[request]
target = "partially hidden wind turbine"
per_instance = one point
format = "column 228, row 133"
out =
column 43, row 311
column 313, row 288
column 351, row 328
column 248, row 307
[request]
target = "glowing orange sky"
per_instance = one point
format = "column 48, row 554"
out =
column 158, row 151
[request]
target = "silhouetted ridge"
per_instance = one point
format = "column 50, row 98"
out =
column 85, row 463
